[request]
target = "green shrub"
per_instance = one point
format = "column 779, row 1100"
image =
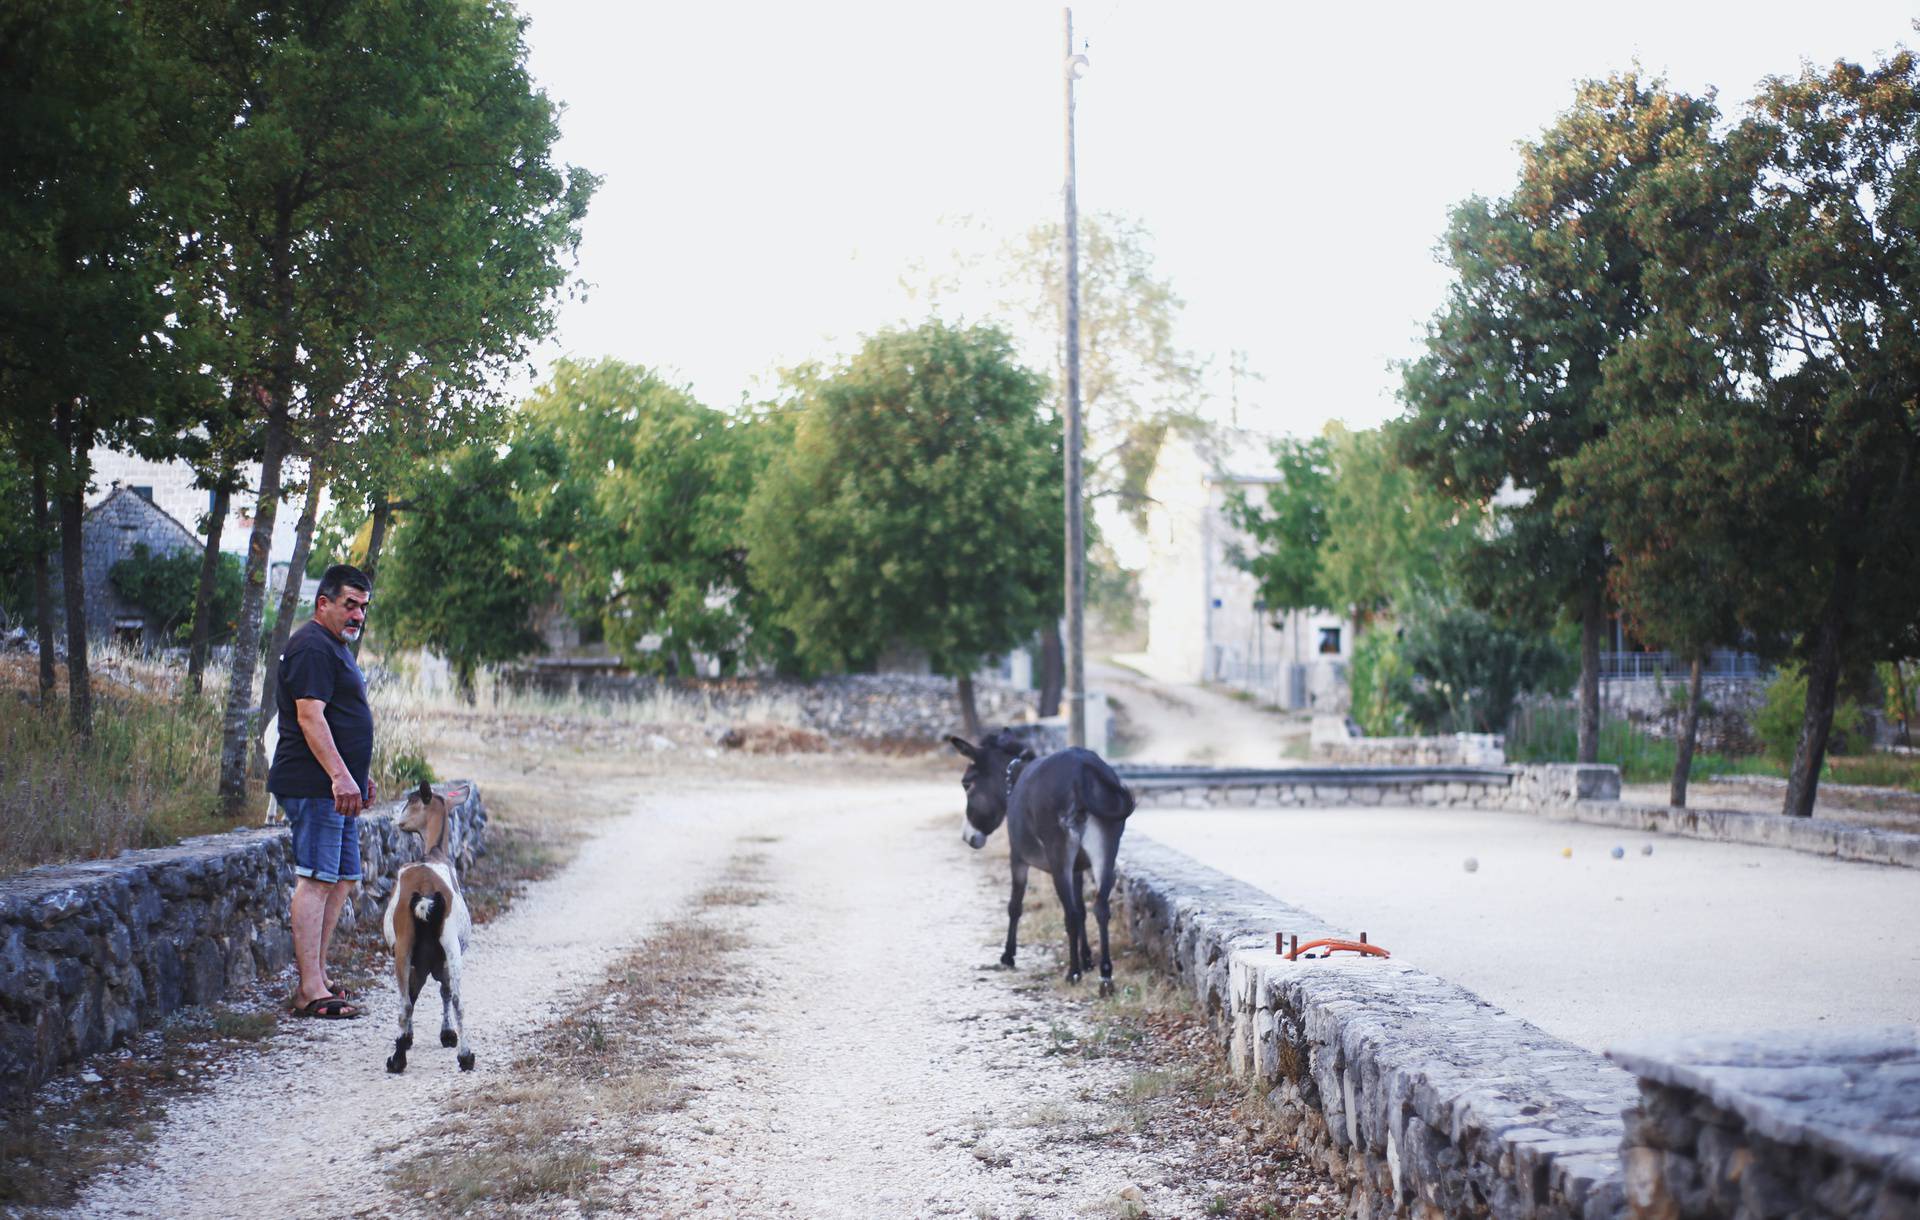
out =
column 1549, row 732
column 165, row 585
column 1778, row 721
column 410, row 770
column 1475, row 666
column 1382, row 685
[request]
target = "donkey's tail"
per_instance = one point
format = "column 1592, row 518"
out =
column 1103, row 794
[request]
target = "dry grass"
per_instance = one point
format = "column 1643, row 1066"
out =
column 569, row 1111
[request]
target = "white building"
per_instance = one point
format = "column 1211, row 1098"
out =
column 1205, row 619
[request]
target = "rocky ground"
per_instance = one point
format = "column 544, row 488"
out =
column 755, row 990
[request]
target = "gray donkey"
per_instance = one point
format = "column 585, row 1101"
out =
column 1064, row 814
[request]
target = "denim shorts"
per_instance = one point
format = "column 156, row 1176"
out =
column 326, row 845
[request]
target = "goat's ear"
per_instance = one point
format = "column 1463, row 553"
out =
column 426, row 792
column 961, row 746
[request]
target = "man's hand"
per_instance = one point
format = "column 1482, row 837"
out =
column 346, row 795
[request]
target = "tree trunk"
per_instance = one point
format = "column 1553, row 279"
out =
column 289, row 607
column 1900, row 693
column 1592, row 618
column 1053, row 668
column 253, row 599
column 969, row 712
column 209, row 576
column 72, row 498
column 1816, row 723
column 42, row 581
column 1689, row 731
column 376, row 539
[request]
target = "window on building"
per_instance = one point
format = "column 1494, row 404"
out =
column 145, row 493
column 1329, row 641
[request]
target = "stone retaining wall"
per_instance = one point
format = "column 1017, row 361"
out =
column 1816, row 836
column 1418, row 1097
column 1334, row 740
column 1809, row 1124
column 1443, row 787
column 91, row 952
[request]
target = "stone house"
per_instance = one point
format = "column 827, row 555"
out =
column 108, row 534
column 1205, row 619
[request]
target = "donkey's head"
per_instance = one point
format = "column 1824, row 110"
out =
column 988, row 779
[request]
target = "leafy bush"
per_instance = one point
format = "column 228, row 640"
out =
column 1382, row 685
column 164, row 586
column 1778, row 721
column 1474, row 666
column 1549, row 732
column 409, row 770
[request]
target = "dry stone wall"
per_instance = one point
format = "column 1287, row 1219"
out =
column 1823, row 1125
column 1419, row 1098
column 91, row 952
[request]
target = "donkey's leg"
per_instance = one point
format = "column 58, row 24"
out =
column 1014, row 906
column 1075, row 912
column 1105, row 852
column 1080, row 891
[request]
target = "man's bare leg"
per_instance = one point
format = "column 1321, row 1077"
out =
column 336, row 903
column 311, row 901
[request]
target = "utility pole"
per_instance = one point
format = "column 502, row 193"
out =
column 1071, row 68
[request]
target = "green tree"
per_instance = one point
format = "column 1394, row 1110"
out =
column 91, row 191
column 1290, row 532
column 166, row 586
column 663, row 481
column 1473, row 666
column 383, row 196
column 476, row 556
column 919, row 505
column 1784, row 264
column 1547, row 286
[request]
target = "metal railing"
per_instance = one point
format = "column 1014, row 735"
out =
column 1721, row 663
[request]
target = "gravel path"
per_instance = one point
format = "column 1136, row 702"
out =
column 1177, row 723
column 867, row 1066
column 302, row 1130
column 878, row 1068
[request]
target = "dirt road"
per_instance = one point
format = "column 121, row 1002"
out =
column 1174, row 723
column 860, row 1062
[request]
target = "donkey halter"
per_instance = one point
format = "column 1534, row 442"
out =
column 1013, row 765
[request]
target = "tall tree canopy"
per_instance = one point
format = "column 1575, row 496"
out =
column 1780, row 372
column 662, row 482
column 919, row 504
column 1547, row 286
column 383, row 196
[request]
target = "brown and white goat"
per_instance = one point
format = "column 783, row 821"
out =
column 427, row 925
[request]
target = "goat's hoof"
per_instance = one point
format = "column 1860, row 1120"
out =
column 466, row 1060
column 449, row 1038
column 397, row 1062
column 1106, row 988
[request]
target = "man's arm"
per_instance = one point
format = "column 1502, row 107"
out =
column 313, row 726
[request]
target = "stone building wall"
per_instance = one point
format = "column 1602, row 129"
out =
column 108, row 534
column 91, row 952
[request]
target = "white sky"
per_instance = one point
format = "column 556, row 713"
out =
column 772, row 170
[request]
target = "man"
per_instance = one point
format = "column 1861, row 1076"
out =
column 320, row 776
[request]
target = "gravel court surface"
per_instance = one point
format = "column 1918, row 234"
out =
column 1697, row 937
column 306, row 1129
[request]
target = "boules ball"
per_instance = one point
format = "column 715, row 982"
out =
column 1471, row 865
column 1646, row 849
column 1618, row 852
column 1566, row 853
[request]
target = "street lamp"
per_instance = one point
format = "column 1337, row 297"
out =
column 1074, row 67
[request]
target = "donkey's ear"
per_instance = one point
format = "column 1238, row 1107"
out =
column 1027, row 755
column 960, row 746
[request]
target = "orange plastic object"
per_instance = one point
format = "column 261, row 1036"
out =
column 1334, row 944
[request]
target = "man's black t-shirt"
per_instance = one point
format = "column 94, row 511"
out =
column 315, row 665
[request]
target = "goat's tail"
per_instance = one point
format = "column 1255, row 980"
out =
column 429, row 911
